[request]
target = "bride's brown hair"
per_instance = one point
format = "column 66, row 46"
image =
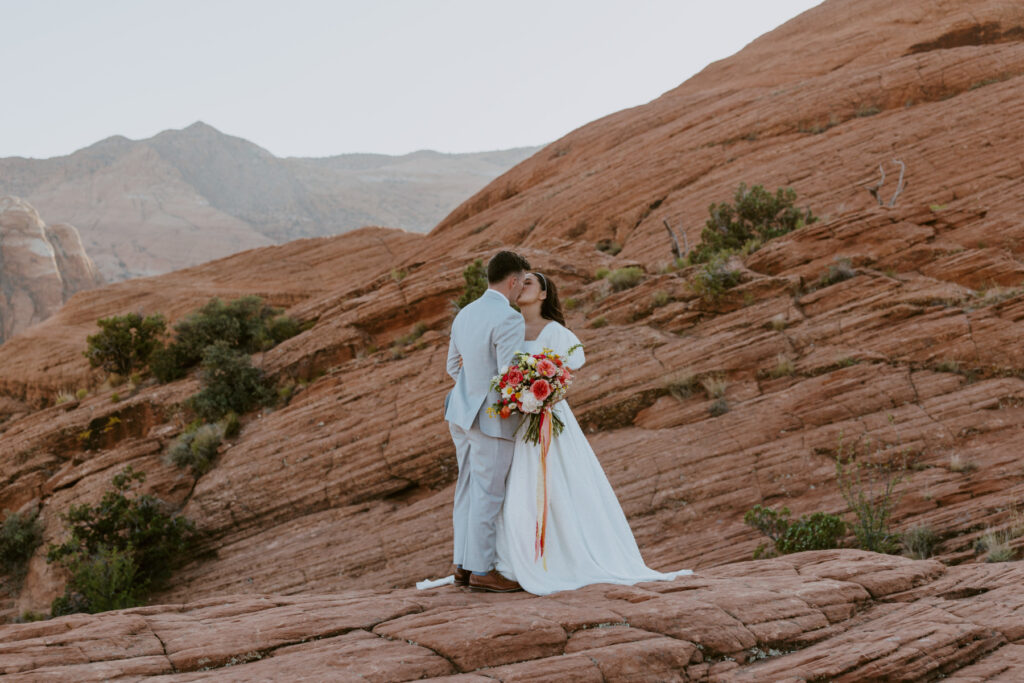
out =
column 551, row 308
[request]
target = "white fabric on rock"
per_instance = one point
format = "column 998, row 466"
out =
column 588, row 538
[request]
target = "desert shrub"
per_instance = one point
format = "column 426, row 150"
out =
column 601, row 273
column 415, row 333
column 609, row 247
column 120, row 549
column 81, row 393
column 958, row 463
column 869, row 489
column 240, row 324
column 281, row 328
column 837, row 272
column 714, row 279
column 996, row 546
column 714, row 387
column 818, row 531
column 659, row 299
column 124, row 342
column 624, row 278
column 104, row 580
column 196, row 448
column 784, row 367
column 246, row 324
column 599, row 321
column 681, row 384
column 919, row 542
column 231, row 425
column 756, row 214
column 229, row 383
column 718, row 407
column 475, row 276
column 20, row 535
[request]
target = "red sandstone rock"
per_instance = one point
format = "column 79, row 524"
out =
column 41, row 266
column 349, row 486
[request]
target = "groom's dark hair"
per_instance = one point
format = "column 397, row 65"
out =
column 503, row 264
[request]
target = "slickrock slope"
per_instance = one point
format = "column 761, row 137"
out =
column 146, row 207
column 825, row 615
column 348, row 487
column 41, row 266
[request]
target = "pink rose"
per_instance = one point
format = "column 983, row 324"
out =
column 547, row 368
column 566, row 375
column 540, row 389
column 514, row 377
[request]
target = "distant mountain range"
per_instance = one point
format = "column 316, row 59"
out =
column 182, row 197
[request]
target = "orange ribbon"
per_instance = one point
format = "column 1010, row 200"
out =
column 540, row 535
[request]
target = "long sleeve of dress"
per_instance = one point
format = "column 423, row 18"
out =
column 567, row 340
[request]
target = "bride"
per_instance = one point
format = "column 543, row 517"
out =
column 587, row 538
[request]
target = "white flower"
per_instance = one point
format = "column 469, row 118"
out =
column 530, row 403
column 503, row 370
column 507, row 392
column 531, row 361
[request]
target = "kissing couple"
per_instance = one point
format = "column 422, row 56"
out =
column 499, row 513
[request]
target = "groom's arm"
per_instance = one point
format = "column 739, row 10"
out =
column 509, row 336
column 454, row 363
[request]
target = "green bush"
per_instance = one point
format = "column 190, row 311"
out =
column 229, row 383
column 246, row 324
column 120, row 549
column 624, row 278
column 870, row 491
column 196, row 448
column 714, row 279
column 818, row 531
column 104, row 580
column 124, row 342
column 756, row 214
column 20, row 535
column 475, row 275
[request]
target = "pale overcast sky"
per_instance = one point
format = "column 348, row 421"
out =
column 324, row 77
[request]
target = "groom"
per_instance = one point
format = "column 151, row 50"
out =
column 485, row 336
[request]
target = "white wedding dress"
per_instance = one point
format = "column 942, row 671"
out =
column 588, row 539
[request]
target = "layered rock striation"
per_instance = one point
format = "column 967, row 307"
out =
column 890, row 330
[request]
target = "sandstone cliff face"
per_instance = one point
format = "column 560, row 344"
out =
column 183, row 197
column 41, row 267
column 348, row 488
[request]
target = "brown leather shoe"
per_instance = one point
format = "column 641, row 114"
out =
column 493, row 582
column 461, row 575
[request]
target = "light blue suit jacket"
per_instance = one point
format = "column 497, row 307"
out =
column 485, row 335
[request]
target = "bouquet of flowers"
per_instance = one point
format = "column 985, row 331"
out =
column 530, row 385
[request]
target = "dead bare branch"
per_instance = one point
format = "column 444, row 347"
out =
column 874, row 190
column 672, row 236
column 899, row 185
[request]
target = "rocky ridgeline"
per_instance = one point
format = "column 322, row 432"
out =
column 337, row 502
column 182, row 197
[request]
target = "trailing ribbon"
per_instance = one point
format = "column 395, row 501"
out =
column 540, row 535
